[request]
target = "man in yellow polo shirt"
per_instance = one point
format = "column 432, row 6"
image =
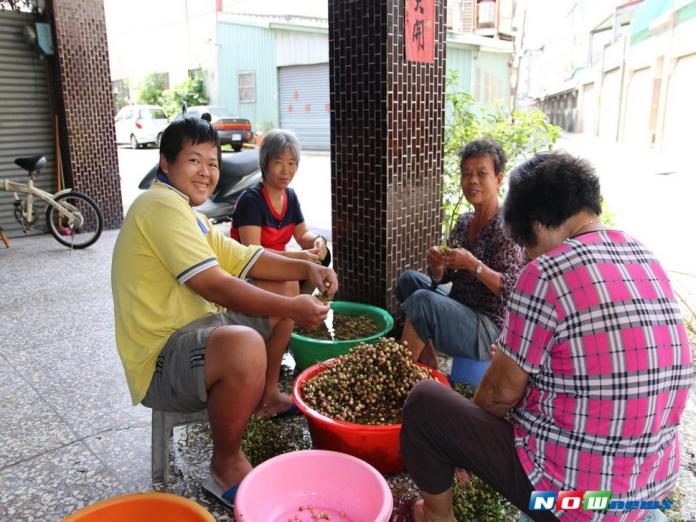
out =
column 191, row 332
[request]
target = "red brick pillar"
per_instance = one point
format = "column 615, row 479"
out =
column 84, row 86
column 387, row 117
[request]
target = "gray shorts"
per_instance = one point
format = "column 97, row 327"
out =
column 178, row 383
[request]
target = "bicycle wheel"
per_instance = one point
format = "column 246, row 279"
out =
column 85, row 230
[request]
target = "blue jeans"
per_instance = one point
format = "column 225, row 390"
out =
column 452, row 327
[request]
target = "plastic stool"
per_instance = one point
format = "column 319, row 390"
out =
column 468, row 371
column 163, row 423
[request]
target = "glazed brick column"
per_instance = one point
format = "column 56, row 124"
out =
column 387, row 124
column 89, row 140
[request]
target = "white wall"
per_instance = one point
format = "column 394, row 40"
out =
column 172, row 36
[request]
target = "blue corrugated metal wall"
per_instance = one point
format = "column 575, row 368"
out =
column 496, row 64
column 460, row 60
column 245, row 48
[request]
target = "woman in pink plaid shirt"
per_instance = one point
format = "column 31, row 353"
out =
column 593, row 366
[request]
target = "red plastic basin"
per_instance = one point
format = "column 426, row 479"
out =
column 377, row 445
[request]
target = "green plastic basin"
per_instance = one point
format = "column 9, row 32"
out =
column 307, row 351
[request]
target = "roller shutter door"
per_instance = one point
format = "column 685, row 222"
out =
column 304, row 104
column 637, row 119
column 609, row 105
column 589, row 103
column 26, row 127
column 680, row 113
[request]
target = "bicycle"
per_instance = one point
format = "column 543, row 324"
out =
column 72, row 218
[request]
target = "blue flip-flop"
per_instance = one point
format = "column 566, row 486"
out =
column 292, row 411
column 211, row 486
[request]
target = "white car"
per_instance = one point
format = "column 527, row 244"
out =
column 140, row 125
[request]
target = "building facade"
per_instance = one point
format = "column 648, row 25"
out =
column 634, row 79
column 55, row 100
column 274, row 69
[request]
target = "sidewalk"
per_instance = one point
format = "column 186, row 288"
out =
column 68, row 433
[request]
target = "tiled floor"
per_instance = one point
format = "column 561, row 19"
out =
column 68, row 433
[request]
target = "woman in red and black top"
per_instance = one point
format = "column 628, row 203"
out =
column 269, row 213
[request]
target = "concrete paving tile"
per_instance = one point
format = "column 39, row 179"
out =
column 29, row 426
column 9, row 378
column 55, row 484
column 85, row 386
column 95, row 407
column 126, row 452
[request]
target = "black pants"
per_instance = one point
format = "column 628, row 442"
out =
column 442, row 430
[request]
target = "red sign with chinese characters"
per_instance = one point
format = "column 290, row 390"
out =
column 419, row 32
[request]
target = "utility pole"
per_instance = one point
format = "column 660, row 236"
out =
column 519, row 59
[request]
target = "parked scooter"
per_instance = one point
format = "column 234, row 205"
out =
column 238, row 171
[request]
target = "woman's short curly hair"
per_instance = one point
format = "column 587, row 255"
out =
column 548, row 188
column 485, row 147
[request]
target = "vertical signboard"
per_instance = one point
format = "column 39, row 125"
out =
column 419, row 31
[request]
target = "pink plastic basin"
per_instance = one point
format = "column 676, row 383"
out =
column 299, row 484
column 378, row 445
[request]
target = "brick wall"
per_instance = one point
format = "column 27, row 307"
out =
column 89, row 141
column 387, row 120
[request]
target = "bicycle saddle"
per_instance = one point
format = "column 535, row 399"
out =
column 32, row 164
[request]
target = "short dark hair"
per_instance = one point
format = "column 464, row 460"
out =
column 548, row 188
column 192, row 130
column 485, row 147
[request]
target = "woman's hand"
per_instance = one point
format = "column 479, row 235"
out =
column 320, row 247
column 435, row 258
column 460, row 259
column 310, row 255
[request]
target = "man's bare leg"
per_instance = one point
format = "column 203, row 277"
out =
column 235, row 367
column 423, row 352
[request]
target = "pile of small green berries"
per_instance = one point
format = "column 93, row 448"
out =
column 366, row 386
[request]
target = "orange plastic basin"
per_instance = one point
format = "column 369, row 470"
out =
column 377, row 445
column 142, row 507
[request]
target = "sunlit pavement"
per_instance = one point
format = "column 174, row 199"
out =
column 68, row 434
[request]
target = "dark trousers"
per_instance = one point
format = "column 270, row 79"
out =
column 442, row 430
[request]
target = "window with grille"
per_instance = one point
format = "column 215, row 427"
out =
column 247, row 87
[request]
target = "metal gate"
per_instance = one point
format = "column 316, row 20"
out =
column 305, row 105
column 26, row 127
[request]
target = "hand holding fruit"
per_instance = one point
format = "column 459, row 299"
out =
column 460, row 259
column 435, row 257
column 307, row 311
column 320, row 248
column 311, row 255
column 323, row 278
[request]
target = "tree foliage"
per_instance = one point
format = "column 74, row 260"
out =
column 151, row 88
column 191, row 91
column 521, row 134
